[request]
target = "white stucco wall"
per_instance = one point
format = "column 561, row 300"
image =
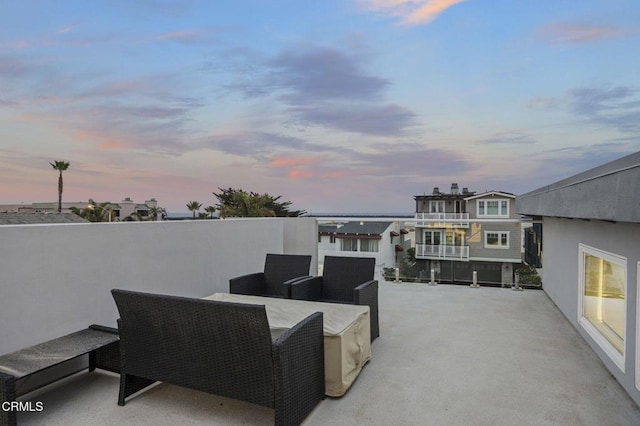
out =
column 561, row 281
column 56, row 279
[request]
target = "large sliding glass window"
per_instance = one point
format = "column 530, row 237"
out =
column 436, row 206
column 602, row 307
column 348, row 244
column 638, row 328
column 369, row 245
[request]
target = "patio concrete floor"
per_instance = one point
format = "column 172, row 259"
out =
column 447, row 355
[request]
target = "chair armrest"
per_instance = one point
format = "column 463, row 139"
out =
column 307, row 289
column 251, row 284
column 298, row 358
column 286, row 286
column 366, row 292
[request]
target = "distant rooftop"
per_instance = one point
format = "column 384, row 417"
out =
column 35, row 218
column 363, row 228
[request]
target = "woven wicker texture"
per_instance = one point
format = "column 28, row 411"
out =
column 279, row 271
column 344, row 280
column 221, row 348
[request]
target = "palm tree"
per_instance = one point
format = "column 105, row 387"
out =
column 61, row 166
column 211, row 210
column 194, row 206
column 94, row 212
column 155, row 211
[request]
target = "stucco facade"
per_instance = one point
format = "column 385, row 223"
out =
column 591, row 259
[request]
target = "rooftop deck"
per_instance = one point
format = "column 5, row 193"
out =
column 447, row 355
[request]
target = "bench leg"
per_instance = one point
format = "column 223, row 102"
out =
column 7, row 394
column 92, row 361
column 130, row 384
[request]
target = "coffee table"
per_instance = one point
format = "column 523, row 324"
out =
column 347, row 331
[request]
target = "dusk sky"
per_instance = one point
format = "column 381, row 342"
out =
column 336, row 105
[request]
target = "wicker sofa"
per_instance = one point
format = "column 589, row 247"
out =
column 221, row 348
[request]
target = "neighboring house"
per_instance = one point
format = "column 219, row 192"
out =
column 38, row 218
column 460, row 232
column 120, row 210
column 127, row 207
column 591, row 254
column 383, row 241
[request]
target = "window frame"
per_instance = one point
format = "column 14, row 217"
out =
column 481, row 205
column 638, row 326
column 500, row 246
column 597, row 336
column 440, row 206
column 370, row 241
column 351, row 243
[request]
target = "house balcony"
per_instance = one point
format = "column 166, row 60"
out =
column 448, row 353
column 442, row 252
column 442, row 220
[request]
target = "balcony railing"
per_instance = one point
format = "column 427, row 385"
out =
column 442, row 220
column 442, row 252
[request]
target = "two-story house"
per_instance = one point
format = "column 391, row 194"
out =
column 382, row 240
column 460, row 232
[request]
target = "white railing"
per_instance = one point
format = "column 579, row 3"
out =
column 443, row 220
column 443, row 252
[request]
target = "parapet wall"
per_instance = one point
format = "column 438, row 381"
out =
column 56, row 279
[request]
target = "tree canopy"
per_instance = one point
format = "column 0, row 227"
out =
column 239, row 203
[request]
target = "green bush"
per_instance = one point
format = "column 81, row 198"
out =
column 531, row 279
column 528, row 275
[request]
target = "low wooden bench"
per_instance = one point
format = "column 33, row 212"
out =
column 101, row 343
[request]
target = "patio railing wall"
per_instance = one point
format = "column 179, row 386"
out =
column 56, row 279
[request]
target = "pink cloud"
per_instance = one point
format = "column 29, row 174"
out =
column 292, row 161
column 568, row 33
column 301, row 174
column 412, row 12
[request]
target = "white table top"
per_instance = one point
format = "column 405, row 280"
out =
column 285, row 313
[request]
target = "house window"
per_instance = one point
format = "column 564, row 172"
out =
column 348, row 244
column 601, row 303
column 369, row 245
column 432, row 238
column 494, row 208
column 436, row 206
column 638, row 330
column 496, row 239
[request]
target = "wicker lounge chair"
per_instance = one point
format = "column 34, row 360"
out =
column 345, row 280
column 221, row 348
column 280, row 270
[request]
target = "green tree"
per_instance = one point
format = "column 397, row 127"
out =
column 194, row 206
column 239, row 203
column 243, row 204
column 94, row 212
column 61, row 166
column 211, row 210
column 154, row 212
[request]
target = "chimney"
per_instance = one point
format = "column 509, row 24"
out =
column 454, row 188
column 436, row 190
column 465, row 191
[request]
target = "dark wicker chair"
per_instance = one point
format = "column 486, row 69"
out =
column 345, row 280
column 280, row 270
column 221, row 348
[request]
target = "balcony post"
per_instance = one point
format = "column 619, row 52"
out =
column 433, row 277
column 475, row 280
